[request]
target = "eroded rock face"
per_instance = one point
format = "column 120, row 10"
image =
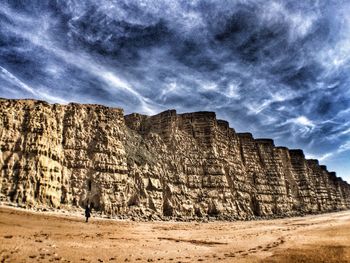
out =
column 169, row 165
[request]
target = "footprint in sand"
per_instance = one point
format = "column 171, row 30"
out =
column 230, row 255
column 252, row 250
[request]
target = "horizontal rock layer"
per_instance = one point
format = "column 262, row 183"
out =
column 188, row 165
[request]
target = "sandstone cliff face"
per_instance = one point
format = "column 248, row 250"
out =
column 169, row 165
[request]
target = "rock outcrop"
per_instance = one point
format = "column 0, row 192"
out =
column 169, row 165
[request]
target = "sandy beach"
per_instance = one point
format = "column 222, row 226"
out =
column 47, row 237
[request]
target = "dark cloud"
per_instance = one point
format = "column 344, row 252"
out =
column 275, row 68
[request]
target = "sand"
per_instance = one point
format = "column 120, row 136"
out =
column 49, row 237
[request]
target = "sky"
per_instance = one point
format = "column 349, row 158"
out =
column 277, row 69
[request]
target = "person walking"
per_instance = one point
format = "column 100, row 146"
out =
column 87, row 213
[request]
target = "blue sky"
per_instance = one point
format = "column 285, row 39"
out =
column 278, row 69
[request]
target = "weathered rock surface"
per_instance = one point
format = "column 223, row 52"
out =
column 188, row 165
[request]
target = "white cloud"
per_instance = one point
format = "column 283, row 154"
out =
column 300, row 23
column 40, row 93
column 113, row 80
column 341, row 149
column 208, row 86
column 301, row 126
column 337, row 56
column 303, row 121
column 233, row 91
column 325, row 156
column 54, row 70
column 49, row 97
column 319, row 157
column 344, row 147
column 14, row 80
column 257, row 107
column 347, row 131
column 170, row 88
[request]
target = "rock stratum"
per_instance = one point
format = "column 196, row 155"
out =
column 169, row 165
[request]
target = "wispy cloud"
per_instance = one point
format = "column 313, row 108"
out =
column 14, row 80
column 85, row 63
column 303, row 121
column 39, row 93
column 345, row 147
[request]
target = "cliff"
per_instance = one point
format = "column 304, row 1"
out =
column 188, row 165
